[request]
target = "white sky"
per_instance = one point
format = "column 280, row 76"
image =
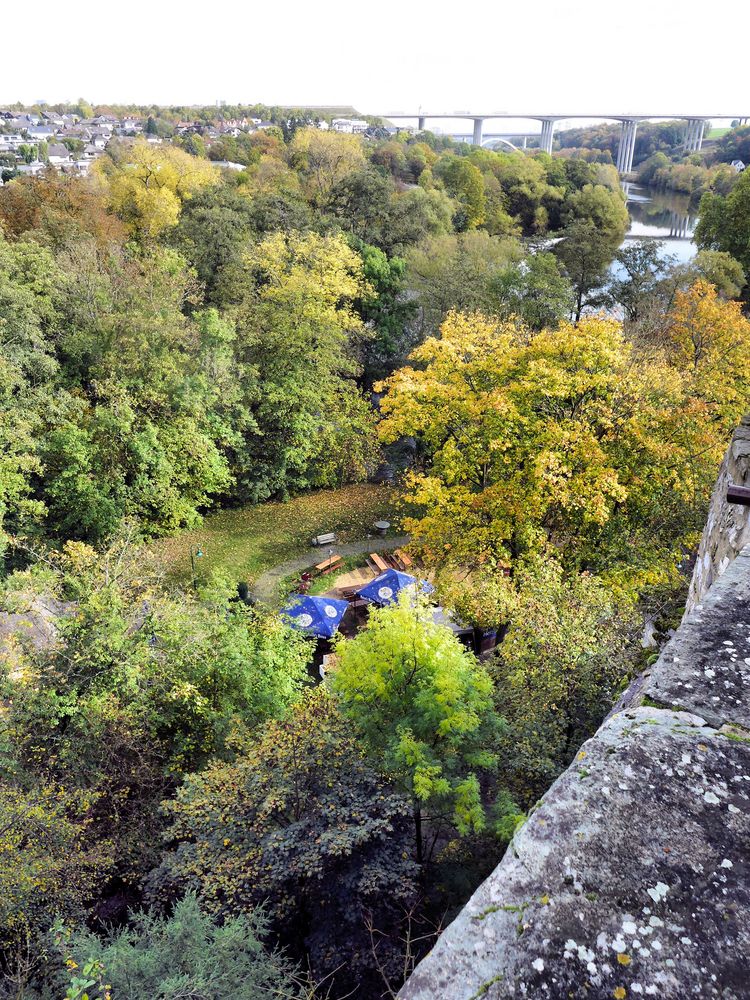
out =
column 557, row 56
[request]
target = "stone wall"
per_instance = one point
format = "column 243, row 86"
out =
column 631, row 878
column 727, row 528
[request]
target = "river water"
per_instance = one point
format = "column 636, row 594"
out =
column 664, row 216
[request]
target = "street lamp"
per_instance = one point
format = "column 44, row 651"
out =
column 196, row 553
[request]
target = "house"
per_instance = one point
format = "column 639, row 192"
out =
column 10, row 141
column 31, row 169
column 351, row 125
column 738, row 166
column 41, row 133
column 100, row 137
column 57, row 154
column 91, row 152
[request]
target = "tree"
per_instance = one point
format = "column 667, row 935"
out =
column 30, row 284
column 299, row 307
column 724, row 222
column 212, row 233
column 602, row 208
column 564, row 441
column 387, row 311
column 140, row 688
column 567, row 648
column 534, row 290
column 325, row 158
column 301, row 823
column 464, row 182
column 361, row 202
column 183, row 955
column 585, row 254
column 47, row 863
column 140, row 436
column 709, row 340
column 423, row 706
column 639, row 269
column 57, row 209
column 149, row 183
column 458, row 272
column 720, row 269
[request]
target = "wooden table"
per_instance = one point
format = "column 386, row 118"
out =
column 380, row 563
column 331, row 563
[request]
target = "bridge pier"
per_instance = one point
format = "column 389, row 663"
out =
column 696, row 128
column 548, row 134
column 477, row 137
column 420, row 124
column 626, row 147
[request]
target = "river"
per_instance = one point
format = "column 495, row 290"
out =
column 662, row 215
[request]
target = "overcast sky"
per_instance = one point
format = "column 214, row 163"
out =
column 562, row 56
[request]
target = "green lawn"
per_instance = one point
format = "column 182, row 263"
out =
column 717, row 133
column 243, row 543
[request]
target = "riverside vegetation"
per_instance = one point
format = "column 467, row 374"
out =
column 181, row 811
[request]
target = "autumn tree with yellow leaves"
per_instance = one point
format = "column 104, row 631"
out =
column 147, row 184
column 567, row 441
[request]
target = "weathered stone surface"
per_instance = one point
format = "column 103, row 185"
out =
column 727, row 528
column 630, row 879
column 705, row 667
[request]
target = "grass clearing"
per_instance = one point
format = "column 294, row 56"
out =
column 244, row 542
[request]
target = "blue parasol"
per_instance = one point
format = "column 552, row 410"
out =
column 317, row 615
column 384, row 589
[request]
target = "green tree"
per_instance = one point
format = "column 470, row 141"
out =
column 140, row 688
column 585, row 254
column 30, row 284
column 602, row 208
column 183, row 955
column 464, row 182
column 301, row 823
column 724, row 222
column 299, row 307
column 640, row 267
column 423, row 706
column 387, row 311
column 458, row 272
column 139, row 436
column 568, row 648
column 535, row 290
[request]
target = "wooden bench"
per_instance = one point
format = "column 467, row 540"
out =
column 330, row 564
column 327, row 539
column 381, row 564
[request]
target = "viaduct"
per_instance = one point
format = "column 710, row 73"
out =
column 694, row 131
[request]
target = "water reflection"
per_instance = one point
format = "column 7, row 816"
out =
column 662, row 215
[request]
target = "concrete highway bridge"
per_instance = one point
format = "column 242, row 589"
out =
column 694, row 132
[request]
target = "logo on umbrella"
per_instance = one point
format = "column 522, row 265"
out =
column 331, row 611
column 304, row 621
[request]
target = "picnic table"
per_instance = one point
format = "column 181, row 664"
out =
column 403, row 559
column 380, row 563
column 328, row 565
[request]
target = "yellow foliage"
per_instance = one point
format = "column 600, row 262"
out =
column 569, row 439
column 147, row 189
column 326, row 158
